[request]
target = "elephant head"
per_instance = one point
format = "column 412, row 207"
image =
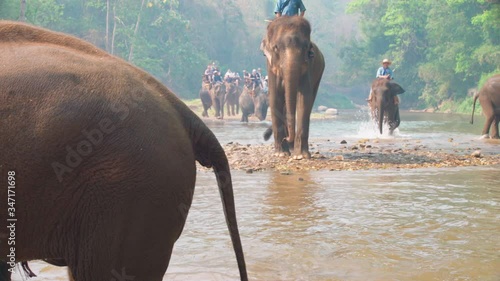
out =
column 218, row 93
column 295, row 66
column 261, row 104
column 382, row 103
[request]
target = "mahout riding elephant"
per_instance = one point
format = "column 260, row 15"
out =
column 489, row 98
column 206, row 101
column 232, row 96
column 218, row 94
column 253, row 102
column 100, row 159
column 382, row 105
column 295, row 66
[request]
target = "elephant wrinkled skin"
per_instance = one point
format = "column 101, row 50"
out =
column 104, row 159
column 295, row 66
column 383, row 108
column 489, row 98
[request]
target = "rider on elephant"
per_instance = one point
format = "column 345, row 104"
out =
column 384, row 72
column 216, row 78
column 256, row 79
column 289, row 8
column 208, row 74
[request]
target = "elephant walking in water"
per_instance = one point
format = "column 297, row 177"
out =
column 295, row 66
column 232, row 96
column 382, row 105
column 253, row 102
column 218, row 95
column 489, row 98
column 100, row 157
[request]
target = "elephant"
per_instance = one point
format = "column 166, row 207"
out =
column 489, row 98
column 295, row 66
column 232, row 96
column 206, row 101
column 253, row 102
column 100, row 158
column 382, row 105
column 218, row 93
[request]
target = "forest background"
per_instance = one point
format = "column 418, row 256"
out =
column 441, row 49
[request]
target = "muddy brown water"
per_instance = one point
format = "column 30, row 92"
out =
column 422, row 224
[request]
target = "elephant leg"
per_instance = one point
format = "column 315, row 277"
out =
column 277, row 104
column 222, row 108
column 305, row 102
column 487, row 125
column 494, row 128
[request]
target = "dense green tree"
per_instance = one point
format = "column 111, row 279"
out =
column 440, row 49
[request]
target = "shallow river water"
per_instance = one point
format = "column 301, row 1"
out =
column 422, row 224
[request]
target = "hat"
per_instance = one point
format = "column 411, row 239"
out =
column 386, row 61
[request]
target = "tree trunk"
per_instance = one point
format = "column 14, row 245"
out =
column 107, row 25
column 131, row 54
column 114, row 29
column 22, row 14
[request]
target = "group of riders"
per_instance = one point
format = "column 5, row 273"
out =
column 252, row 80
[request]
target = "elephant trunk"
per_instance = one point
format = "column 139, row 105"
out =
column 476, row 95
column 381, row 111
column 291, row 78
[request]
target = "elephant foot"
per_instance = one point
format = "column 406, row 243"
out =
column 303, row 155
column 485, row 136
column 282, row 154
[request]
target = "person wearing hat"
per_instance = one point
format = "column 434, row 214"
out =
column 384, row 72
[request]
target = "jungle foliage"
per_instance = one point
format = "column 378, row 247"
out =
column 440, row 49
column 172, row 39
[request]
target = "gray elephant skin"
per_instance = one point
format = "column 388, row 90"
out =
column 295, row 66
column 233, row 93
column 101, row 158
column 383, row 108
column 489, row 98
column 253, row 102
column 218, row 95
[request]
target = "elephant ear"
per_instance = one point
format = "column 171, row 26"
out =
column 396, row 89
column 264, row 47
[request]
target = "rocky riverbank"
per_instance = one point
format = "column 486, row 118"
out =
column 362, row 155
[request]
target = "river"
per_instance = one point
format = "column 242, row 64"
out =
column 421, row 224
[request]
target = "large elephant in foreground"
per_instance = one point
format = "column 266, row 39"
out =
column 382, row 104
column 489, row 98
column 295, row 66
column 99, row 158
column 253, row 102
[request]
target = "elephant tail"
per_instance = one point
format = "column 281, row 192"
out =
column 476, row 95
column 268, row 133
column 209, row 153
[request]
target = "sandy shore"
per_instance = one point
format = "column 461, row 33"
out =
column 363, row 155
